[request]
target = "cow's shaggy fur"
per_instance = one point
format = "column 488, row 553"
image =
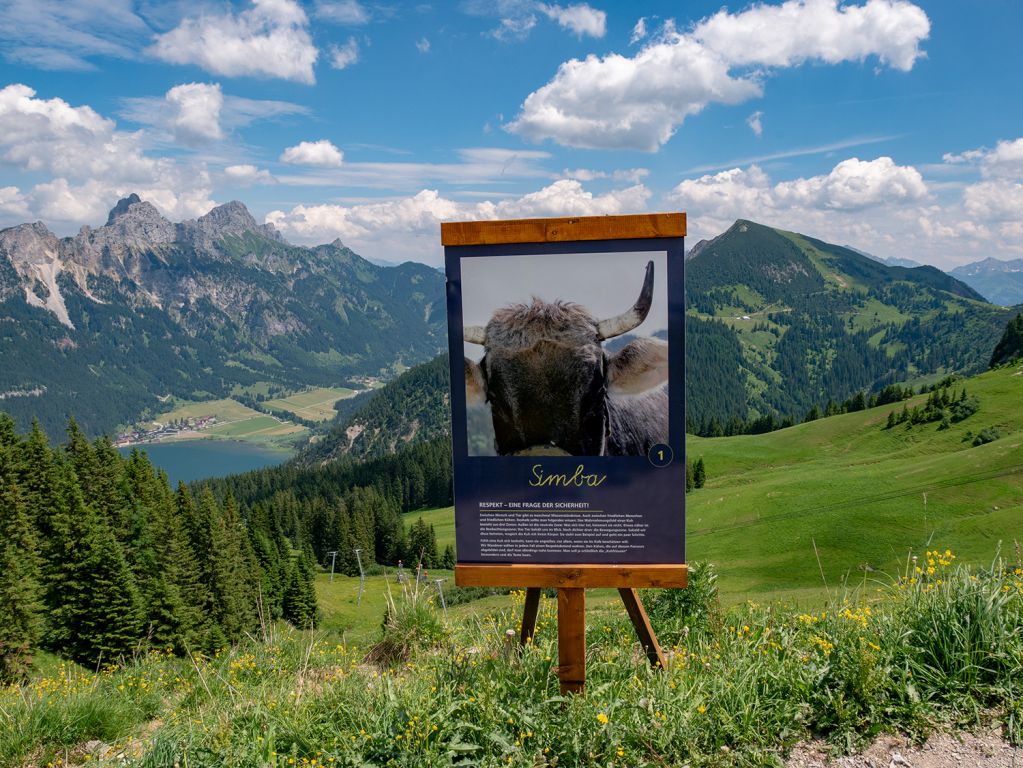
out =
column 550, row 382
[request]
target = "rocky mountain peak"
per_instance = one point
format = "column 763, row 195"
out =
column 28, row 243
column 122, row 207
column 135, row 222
column 231, row 218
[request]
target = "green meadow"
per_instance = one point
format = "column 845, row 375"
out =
column 315, row 404
column 842, row 502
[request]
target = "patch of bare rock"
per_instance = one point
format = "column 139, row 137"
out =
column 965, row 750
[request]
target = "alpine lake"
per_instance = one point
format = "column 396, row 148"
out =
column 189, row 460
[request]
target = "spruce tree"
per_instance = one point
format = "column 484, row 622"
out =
column 174, row 594
column 422, row 544
column 8, row 432
column 699, row 474
column 300, row 607
column 1010, row 346
column 228, row 568
column 266, row 537
column 38, row 482
column 447, row 560
column 94, row 606
column 21, row 608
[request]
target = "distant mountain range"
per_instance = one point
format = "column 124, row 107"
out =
column 1001, row 282
column 101, row 324
column 891, row 261
column 109, row 324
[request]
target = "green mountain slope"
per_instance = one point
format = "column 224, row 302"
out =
column 859, row 496
column 412, row 408
column 798, row 321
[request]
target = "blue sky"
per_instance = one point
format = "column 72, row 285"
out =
column 893, row 126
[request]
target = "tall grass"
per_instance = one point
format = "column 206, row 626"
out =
column 927, row 650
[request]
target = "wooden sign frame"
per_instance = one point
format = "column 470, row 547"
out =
column 571, row 580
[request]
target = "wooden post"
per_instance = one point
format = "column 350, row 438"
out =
column 529, row 612
column 644, row 630
column 572, row 640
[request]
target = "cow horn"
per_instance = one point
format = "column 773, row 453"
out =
column 625, row 322
column 474, row 334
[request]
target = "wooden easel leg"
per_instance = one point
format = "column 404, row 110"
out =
column 529, row 612
column 572, row 640
column 643, row 628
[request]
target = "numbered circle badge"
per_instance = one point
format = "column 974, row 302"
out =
column 661, row 455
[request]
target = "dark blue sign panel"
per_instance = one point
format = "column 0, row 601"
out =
column 568, row 401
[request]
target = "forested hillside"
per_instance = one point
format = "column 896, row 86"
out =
column 780, row 323
column 100, row 559
column 350, row 503
column 412, row 408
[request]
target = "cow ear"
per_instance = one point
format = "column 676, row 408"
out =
column 475, row 390
column 638, row 366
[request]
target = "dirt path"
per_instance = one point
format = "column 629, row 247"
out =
column 967, row 750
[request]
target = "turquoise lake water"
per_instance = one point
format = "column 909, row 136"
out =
column 199, row 459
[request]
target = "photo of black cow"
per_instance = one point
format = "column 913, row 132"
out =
column 569, row 356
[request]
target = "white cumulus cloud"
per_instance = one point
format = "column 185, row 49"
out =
column 1000, row 201
column 89, row 162
column 13, row 203
column 755, row 124
column 1004, row 161
column 817, row 30
column 409, row 227
column 638, row 102
column 196, row 112
column 318, row 154
column 423, row 45
column 270, row 39
column 580, row 19
column 869, row 203
column 638, row 31
column 855, row 184
column 349, row 13
column 343, row 56
column 246, row 174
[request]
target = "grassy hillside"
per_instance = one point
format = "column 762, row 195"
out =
column 864, row 495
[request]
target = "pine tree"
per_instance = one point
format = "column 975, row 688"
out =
column 300, row 607
column 21, row 607
column 38, row 483
column 225, row 562
column 699, row 474
column 1010, row 346
column 447, row 560
column 94, row 605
